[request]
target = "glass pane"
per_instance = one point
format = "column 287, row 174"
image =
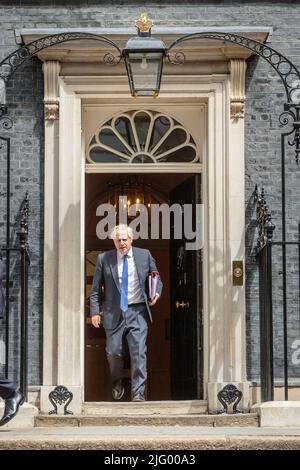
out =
column 145, row 69
column 142, row 159
column 177, row 137
column 123, row 126
column 185, row 154
column 161, row 126
column 109, row 138
column 2, row 91
column 99, row 155
column 142, row 122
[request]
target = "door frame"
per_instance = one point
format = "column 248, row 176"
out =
column 180, row 110
column 223, row 199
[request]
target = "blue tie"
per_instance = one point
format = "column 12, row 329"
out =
column 124, row 286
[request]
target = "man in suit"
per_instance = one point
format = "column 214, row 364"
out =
column 9, row 392
column 119, row 294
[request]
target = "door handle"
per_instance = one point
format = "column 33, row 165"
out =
column 182, row 304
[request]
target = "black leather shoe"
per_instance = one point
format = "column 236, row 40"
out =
column 118, row 390
column 12, row 405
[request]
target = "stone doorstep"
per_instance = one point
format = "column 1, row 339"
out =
column 24, row 418
column 278, row 413
column 242, row 420
column 116, row 408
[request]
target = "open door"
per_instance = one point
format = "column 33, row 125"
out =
column 186, row 306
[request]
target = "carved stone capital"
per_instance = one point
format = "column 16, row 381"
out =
column 237, row 88
column 51, row 69
column 51, row 111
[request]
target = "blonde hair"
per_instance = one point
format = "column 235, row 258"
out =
column 121, row 228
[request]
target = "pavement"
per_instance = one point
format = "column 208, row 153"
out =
column 150, row 438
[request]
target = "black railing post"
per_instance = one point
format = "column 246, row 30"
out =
column 23, row 234
column 264, row 255
column 24, row 326
column 284, row 287
column 266, row 323
column 7, row 125
column 268, row 315
column 299, row 267
column 7, row 255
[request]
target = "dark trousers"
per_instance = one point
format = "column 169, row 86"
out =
column 133, row 329
column 7, row 387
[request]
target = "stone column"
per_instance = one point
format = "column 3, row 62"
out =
column 63, row 279
column 228, row 335
column 51, row 71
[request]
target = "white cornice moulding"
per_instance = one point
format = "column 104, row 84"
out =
column 23, row 34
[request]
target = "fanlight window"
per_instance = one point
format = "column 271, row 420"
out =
column 142, row 137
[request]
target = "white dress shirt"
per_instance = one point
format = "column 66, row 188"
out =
column 135, row 294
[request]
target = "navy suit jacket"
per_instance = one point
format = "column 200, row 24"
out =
column 106, row 291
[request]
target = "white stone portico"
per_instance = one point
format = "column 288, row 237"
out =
column 212, row 83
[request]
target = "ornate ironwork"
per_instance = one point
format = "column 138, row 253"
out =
column 230, row 395
column 58, row 396
column 111, row 59
column 264, row 255
column 292, row 117
column 9, row 65
column 264, row 219
column 25, row 262
column 3, row 110
column 23, row 233
column 5, row 121
column 286, row 70
column 178, row 58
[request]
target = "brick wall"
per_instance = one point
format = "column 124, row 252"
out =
column 265, row 96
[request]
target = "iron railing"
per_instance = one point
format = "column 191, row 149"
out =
column 23, row 266
column 265, row 258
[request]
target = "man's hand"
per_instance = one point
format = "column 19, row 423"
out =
column 96, row 320
column 153, row 300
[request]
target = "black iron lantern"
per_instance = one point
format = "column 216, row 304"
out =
column 144, row 57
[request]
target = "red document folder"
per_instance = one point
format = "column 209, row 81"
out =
column 152, row 283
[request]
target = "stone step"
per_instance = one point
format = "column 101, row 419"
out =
column 237, row 420
column 160, row 438
column 184, row 407
column 24, row 418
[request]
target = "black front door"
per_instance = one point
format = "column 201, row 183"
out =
column 186, row 305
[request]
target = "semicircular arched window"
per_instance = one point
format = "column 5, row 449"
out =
column 142, row 137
